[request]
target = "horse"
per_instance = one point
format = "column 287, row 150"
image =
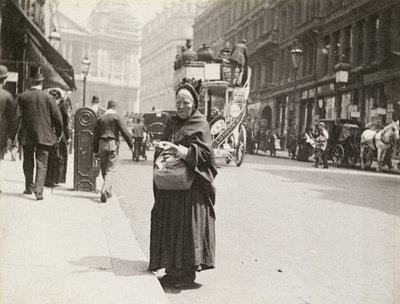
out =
column 380, row 141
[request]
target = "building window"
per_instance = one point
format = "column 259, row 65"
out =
column 360, row 42
column 348, row 41
column 261, row 27
column 336, row 48
column 373, row 36
column 325, row 55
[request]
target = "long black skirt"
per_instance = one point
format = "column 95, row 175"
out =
column 183, row 230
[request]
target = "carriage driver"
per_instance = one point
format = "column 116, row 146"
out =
column 322, row 143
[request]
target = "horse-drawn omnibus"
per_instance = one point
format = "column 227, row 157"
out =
column 224, row 106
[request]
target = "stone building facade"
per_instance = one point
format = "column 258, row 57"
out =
column 363, row 33
column 162, row 39
column 111, row 41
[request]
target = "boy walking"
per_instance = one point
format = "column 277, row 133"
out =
column 106, row 144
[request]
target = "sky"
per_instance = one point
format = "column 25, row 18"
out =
column 79, row 10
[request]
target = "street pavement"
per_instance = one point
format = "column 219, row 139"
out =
column 287, row 232
column 68, row 248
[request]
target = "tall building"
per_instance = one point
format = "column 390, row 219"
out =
column 162, row 39
column 112, row 43
column 365, row 34
column 28, row 37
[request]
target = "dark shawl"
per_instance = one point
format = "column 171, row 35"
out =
column 194, row 133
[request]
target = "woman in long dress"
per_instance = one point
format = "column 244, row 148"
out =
column 182, row 238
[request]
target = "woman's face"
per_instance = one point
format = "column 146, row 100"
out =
column 184, row 104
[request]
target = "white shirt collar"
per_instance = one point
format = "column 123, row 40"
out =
column 109, row 111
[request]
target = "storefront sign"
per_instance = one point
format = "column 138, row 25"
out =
column 381, row 111
column 254, row 109
column 325, row 88
column 12, row 77
column 353, row 108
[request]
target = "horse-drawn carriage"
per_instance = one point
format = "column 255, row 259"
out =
column 344, row 141
column 223, row 105
column 349, row 144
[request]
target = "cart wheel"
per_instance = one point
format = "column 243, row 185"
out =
column 240, row 147
column 368, row 157
column 338, row 155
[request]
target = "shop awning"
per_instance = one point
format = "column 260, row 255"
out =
column 58, row 72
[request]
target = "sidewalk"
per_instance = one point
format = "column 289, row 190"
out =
column 68, row 248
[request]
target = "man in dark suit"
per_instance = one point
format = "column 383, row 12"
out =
column 39, row 116
column 206, row 54
column 7, row 115
column 95, row 106
column 189, row 54
column 238, row 59
column 106, row 144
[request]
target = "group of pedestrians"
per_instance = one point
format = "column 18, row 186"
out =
column 311, row 142
column 261, row 139
column 41, row 127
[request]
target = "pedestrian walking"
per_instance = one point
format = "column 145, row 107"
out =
column 138, row 130
column 95, row 106
column 272, row 140
column 321, row 145
column 41, row 128
column 58, row 156
column 239, row 60
column 7, row 117
column 106, row 145
column 183, row 221
column 257, row 138
column 306, row 145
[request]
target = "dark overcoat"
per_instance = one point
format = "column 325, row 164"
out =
column 7, row 117
column 39, row 117
column 239, row 54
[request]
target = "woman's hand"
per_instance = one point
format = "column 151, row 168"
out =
column 166, row 145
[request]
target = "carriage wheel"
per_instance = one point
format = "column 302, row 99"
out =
column 368, row 157
column 338, row 155
column 240, row 147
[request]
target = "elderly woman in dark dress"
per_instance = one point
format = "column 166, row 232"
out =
column 183, row 222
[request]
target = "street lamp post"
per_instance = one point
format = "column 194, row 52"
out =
column 297, row 56
column 342, row 77
column 85, row 65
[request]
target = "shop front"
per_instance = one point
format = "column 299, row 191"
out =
column 25, row 44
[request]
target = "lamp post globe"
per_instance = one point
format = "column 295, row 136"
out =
column 297, row 56
column 85, row 66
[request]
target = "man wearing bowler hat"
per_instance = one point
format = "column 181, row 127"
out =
column 7, row 115
column 95, row 106
column 106, row 144
column 39, row 116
